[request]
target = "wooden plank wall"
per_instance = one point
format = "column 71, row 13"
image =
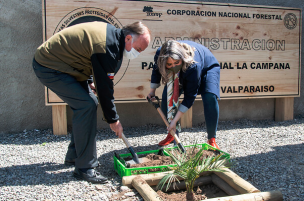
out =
column 258, row 47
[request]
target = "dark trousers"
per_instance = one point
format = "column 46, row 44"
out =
column 83, row 102
column 211, row 111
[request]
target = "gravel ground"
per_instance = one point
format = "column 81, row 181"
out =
column 268, row 154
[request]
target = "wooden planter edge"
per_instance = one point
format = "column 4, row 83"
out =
column 236, row 187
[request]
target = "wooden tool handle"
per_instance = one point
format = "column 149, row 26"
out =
column 134, row 155
column 163, row 117
column 176, row 138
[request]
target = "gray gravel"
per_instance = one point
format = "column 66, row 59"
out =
column 268, row 154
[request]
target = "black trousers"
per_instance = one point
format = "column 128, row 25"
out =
column 83, row 102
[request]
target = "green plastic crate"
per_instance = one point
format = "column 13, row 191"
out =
column 122, row 170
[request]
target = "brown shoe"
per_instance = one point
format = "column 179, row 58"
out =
column 213, row 143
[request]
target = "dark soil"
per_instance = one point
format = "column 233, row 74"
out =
column 157, row 160
column 201, row 193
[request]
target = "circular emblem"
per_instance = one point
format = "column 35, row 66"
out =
column 290, row 21
column 87, row 14
column 91, row 14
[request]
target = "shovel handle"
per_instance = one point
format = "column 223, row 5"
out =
column 123, row 137
column 130, row 148
column 156, row 105
column 167, row 124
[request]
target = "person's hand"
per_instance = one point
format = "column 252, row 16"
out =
column 92, row 86
column 174, row 121
column 172, row 126
column 151, row 95
column 117, row 128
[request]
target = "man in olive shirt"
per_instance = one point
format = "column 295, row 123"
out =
column 66, row 62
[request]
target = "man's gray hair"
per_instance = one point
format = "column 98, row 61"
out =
column 176, row 51
column 135, row 29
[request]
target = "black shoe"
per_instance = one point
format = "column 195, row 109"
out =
column 90, row 175
column 69, row 162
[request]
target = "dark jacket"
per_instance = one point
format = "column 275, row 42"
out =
column 193, row 80
column 82, row 50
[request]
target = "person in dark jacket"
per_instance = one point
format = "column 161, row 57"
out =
column 66, row 61
column 188, row 67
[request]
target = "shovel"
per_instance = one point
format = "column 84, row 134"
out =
column 156, row 105
column 135, row 159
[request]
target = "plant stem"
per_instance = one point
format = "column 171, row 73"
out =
column 190, row 196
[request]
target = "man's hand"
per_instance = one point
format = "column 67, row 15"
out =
column 92, row 86
column 117, row 128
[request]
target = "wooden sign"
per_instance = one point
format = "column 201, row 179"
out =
column 258, row 47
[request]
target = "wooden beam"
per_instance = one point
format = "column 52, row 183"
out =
column 262, row 196
column 284, row 109
column 186, row 120
column 223, row 185
column 236, row 182
column 151, row 179
column 59, row 117
column 144, row 189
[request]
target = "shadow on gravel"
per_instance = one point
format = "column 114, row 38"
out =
column 53, row 173
column 281, row 169
column 36, row 174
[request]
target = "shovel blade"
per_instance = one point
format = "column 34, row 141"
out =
column 141, row 160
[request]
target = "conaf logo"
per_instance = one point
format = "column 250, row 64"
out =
column 149, row 11
column 290, row 21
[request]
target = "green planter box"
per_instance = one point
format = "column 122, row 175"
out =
column 122, row 170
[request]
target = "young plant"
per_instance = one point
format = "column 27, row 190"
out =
column 190, row 166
